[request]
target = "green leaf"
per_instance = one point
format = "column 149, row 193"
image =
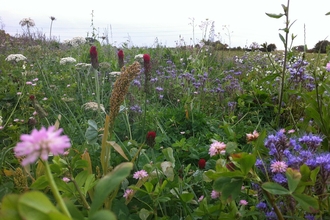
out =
column 232, row 189
column 81, row 178
column 231, row 147
column 149, row 187
column 305, row 173
column 9, row 209
column 109, row 183
column 168, row 153
column 275, row 188
column 308, row 203
column 103, row 214
column 74, row 211
column 91, row 133
column 282, row 38
column 187, row 197
column 164, row 199
column 328, row 13
column 80, row 164
column 294, row 177
column 144, row 214
column 246, row 162
column 274, row 15
column 36, row 205
column 40, row 183
column 89, row 183
column 314, row 174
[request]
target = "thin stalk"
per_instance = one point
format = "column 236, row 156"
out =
column 284, row 64
column 55, row 191
column 272, row 202
column 105, row 148
column 97, row 87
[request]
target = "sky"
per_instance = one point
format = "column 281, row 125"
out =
column 171, row 22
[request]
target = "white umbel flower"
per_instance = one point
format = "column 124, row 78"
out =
column 67, row 60
column 16, row 57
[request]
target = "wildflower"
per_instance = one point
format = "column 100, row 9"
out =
column 217, row 148
column 261, row 206
column 215, row 194
column 16, row 57
column 120, row 59
column 159, row 89
column 278, row 167
column 139, row 57
column 243, row 202
column 115, row 74
column 328, row 67
column 201, row 163
column 18, row 93
column 200, row 198
column 128, row 193
column 67, row 60
column 93, row 106
column 147, row 68
column 40, row 143
column 66, row 179
column 252, row 137
column 311, row 141
column 136, row 109
column 27, row 22
column 140, row 174
column 151, row 135
column 94, row 59
column 83, row 65
column 279, row 178
column 231, row 166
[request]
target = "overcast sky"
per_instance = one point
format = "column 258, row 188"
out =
column 239, row 22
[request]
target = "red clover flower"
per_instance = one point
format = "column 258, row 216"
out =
column 94, row 59
column 120, row 55
column 40, row 144
column 201, row 163
column 151, row 135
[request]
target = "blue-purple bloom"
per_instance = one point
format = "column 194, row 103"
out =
column 279, row 178
column 311, row 141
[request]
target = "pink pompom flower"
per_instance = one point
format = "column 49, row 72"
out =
column 40, row 143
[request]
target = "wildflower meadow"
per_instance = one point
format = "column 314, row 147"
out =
column 93, row 131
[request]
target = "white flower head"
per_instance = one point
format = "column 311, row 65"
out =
column 76, row 41
column 139, row 58
column 93, row 106
column 115, row 74
column 83, row 66
column 16, row 57
column 27, row 22
column 67, row 60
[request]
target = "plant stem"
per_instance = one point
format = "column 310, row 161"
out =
column 272, row 201
column 55, row 191
column 284, row 64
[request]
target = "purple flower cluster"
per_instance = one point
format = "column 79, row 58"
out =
column 299, row 75
column 293, row 152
